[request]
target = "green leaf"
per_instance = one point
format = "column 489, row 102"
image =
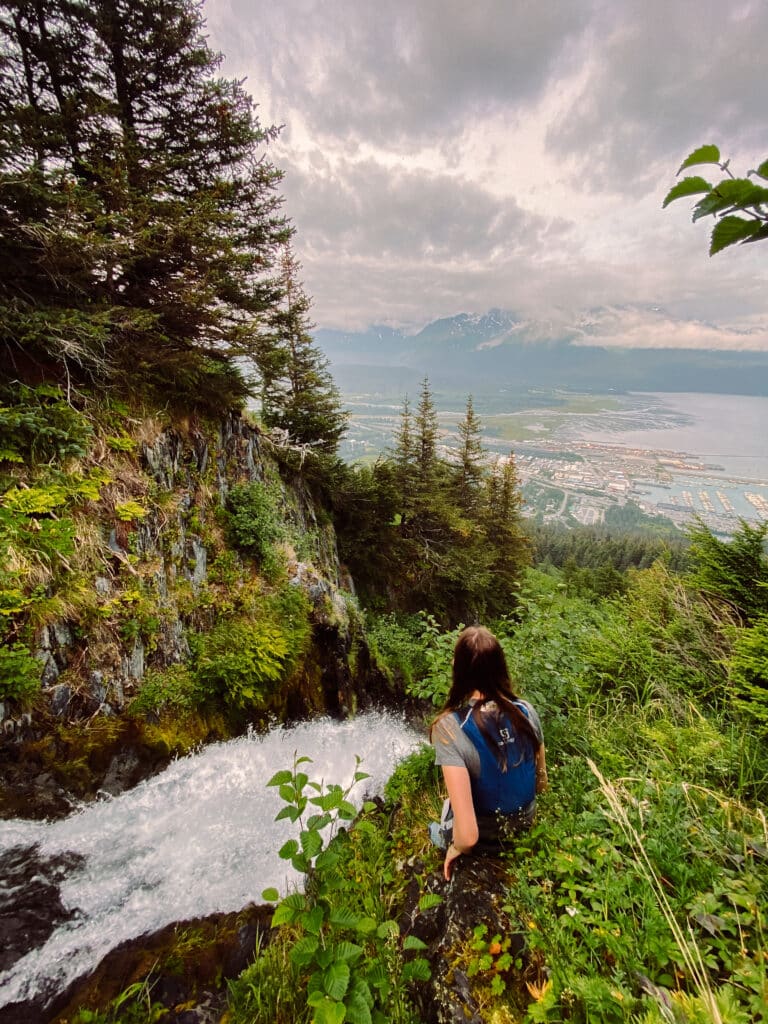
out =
column 347, row 811
column 758, row 235
column 359, row 776
column 313, row 921
column 297, row 900
column 387, row 928
column 303, row 760
column 303, row 952
column 366, row 925
column 271, row 895
column 287, row 792
column 336, row 979
column 311, row 842
column 731, row 230
column 279, row 778
column 742, row 192
column 301, row 863
column 378, row 976
column 300, row 781
column 325, row 957
column 284, row 915
column 416, row 970
column 359, row 1002
column 343, row 917
column 318, row 821
column 429, row 900
column 347, row 951
column 686, row 187
column 702, row 155
column 288, row 812
column 288, row 850
column 710, row 204
column 762, row 170
column 327, row 859
column 329, row 1012
column 412, row 942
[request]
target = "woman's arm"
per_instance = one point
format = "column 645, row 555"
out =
column 542, row 782
column 465, row 832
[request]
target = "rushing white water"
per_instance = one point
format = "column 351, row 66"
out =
column 197, row 839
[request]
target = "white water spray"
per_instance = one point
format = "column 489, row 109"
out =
column 198, row 839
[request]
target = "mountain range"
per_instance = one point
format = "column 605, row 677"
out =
column 500, row 349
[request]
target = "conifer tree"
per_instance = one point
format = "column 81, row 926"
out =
column 298, row 391
column 138, row 218
column 508, row 543
column 469, row 473
column 405, row 456
column 425, row 439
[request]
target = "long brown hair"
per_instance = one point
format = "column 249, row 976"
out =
column 479, row 664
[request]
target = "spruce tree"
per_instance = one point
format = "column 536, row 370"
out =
column 298, row 392
column 425, row 439
column 508, row 543
column 405, row 457
column 469, row 474
column 139, row 219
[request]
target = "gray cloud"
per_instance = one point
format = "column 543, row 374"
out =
column 444, row 156
column 370, row 210
column 394, row 70
column 663, row 78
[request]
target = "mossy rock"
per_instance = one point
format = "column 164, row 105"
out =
column 176, row 964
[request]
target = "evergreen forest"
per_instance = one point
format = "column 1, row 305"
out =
column 184, row 558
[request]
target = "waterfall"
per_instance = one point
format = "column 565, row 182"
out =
column 197, row 839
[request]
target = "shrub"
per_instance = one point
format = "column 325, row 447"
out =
column 174, row 689
column 749, row 673
column 396, row 642
column 38, row 423
column 242, row 661
column 413, row 774
column 19, row 674
column 253, row 521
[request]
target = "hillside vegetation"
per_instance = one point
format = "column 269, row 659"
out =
column 169, row 575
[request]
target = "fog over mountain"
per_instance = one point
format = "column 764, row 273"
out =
column 602, row 349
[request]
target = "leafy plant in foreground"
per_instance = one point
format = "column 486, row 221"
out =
column 737, row 204
column 349, row 961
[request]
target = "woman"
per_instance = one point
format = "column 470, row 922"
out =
column 490, row 747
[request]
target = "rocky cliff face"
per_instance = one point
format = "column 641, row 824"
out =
column 122, row 631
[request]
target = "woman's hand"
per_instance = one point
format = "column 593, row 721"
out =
column 465, row 831
column 542, row 782
column 450, row 856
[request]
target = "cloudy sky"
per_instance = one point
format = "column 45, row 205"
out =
column 446, row 156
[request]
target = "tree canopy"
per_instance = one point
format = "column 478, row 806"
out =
column 139, row 216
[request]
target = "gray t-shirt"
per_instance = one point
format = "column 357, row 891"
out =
column 454, row 747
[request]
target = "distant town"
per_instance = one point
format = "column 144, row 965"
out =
column 672, row 484
column 575, row 481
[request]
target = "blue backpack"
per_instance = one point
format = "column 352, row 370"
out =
column 497, row 790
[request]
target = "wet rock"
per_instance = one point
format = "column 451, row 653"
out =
column 114, row 545
column 30, row 901
column 36, row 797
column 177, row 972
column 103, row 586
column 50, row 671
column 97, row 687
column 198, row 560
column 133, row 661
column 62, row 634
column 124, row 771
column 61, row 695
column 474, row 896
